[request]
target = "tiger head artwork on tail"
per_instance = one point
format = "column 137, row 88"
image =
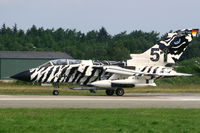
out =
column 168, row 50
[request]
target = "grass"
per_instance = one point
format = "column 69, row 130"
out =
column 100, row 120
column 13, row 89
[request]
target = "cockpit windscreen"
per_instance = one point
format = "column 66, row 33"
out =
column 61, row 62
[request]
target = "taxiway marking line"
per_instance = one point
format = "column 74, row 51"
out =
column 70, row 99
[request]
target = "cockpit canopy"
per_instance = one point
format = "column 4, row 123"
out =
column 73, row 61
column 61, row 62
column 65, row 62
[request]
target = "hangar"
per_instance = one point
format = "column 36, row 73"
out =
column 12, row 62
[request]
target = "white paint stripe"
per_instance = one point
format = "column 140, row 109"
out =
column 46, row 72
column 92, row 99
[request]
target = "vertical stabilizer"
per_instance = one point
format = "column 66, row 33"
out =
column 167, row 51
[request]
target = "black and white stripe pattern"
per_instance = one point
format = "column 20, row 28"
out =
column 153, row 69
column 68, row 74
column 84, row 75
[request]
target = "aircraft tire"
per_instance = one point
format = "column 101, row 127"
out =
column 119, row 91
column 55, row 92
column 93, row 91
column 109, row 92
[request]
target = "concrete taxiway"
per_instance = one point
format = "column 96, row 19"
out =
column 136, row 100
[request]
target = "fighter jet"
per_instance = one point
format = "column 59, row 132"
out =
column 112, row 76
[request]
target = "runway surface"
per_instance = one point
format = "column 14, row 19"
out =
column 136, row 100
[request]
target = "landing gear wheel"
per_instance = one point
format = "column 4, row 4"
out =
column 109, row 92
column 119, row 91
column 93, row 91
column 55, row 92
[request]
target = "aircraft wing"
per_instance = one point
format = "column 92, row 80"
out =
column 174, row 74
column 124, row 71
column 128, row 72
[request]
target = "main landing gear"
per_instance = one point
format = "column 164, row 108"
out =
column 55, row 91
column 118, row 91
column 110, row 92
column 93, row 91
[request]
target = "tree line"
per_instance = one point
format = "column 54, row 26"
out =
column 99, row 45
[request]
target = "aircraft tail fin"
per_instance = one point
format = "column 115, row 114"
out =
column 169, row 50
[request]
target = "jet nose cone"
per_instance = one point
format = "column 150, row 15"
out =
column 24, row 76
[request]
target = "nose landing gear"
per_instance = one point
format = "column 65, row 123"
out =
column 55, row 91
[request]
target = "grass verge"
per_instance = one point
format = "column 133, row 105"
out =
column 18, row 89
column 100, row 120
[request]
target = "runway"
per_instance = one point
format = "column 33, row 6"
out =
column 135, row 100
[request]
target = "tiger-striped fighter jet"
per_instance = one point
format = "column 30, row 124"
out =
column 112, row 76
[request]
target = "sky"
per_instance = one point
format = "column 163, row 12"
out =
column 115, row 15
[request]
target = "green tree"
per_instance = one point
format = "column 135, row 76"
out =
column 91, row 45
column 118, row 52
